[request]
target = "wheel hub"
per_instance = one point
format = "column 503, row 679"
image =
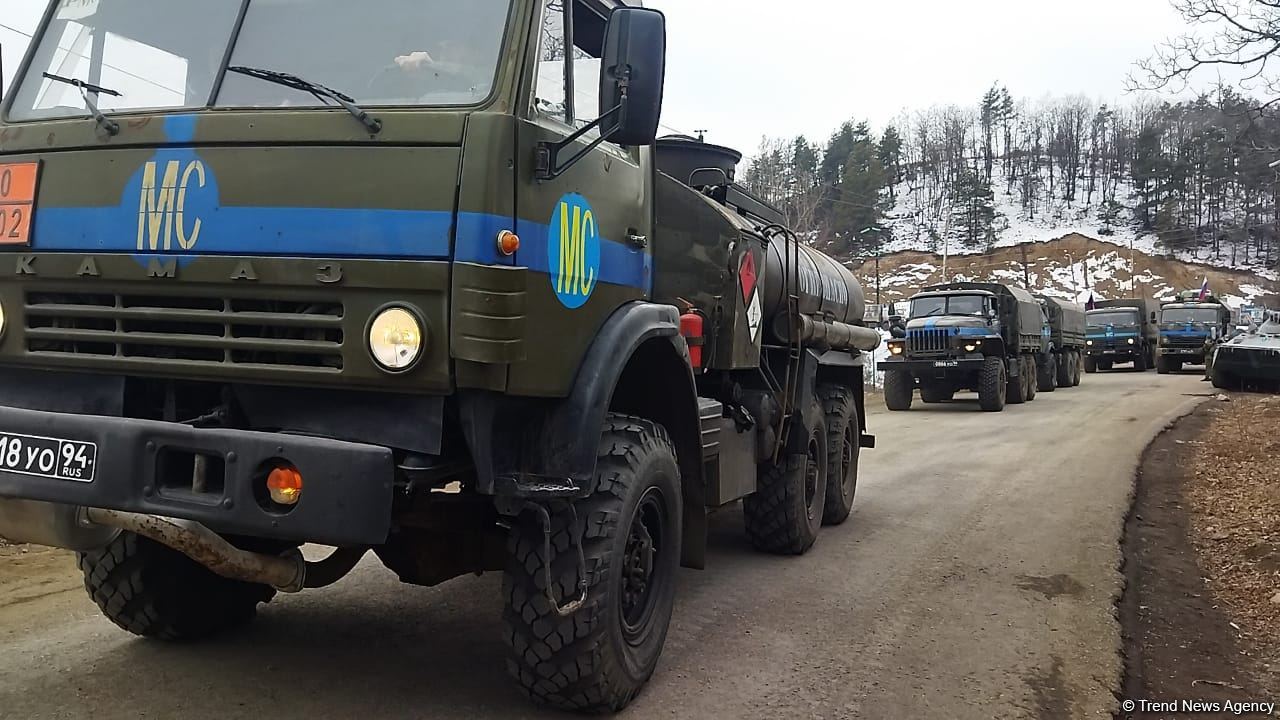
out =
column 639, row 565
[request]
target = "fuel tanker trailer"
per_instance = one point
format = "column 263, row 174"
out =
column 521, row 342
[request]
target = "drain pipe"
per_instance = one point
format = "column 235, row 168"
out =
column 287, row 573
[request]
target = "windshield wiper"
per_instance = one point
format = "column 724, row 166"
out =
column 320, row 92
column 106, row 123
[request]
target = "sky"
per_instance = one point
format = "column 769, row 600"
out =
column 742, row 69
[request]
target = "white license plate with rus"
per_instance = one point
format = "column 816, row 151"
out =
column 48, row 457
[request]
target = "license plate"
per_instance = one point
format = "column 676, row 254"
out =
column 48, row 457
column 946, row 363
column 17, row 201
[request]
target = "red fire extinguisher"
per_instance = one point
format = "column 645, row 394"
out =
column 691, row 327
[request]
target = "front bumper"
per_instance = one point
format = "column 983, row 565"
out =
column 1120, row 354
column 1193, row 354
column 346, row 498
column 933, row 366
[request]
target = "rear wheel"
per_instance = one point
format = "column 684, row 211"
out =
column 1077, row 373
column 993, row 386
column 844, row 444
column 898, row 390
column 1030, row 372
column 1066, row 369
column 785, row 514
column 597, row 658
column 154, row 591
column 1017, row 393
column 1048, row 375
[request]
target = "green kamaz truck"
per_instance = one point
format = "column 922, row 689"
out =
column 990, row 338
column 1121, row 331
column 420, row 282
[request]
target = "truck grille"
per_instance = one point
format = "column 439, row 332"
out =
column 927, row 342
column 1184, row 341
column 186, row 329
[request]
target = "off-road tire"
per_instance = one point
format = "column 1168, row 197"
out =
column 932, row 394
column 1090, row 364
column 156, row 592
column 1163, row 366
column 590, row 661
column 783, row 517
column 993, row 386
column 1078, row 373
column 1066, row 369
column 898, row 389
column 844, row 435
column 1047, row 378
column 1032, row 371
column 1140, row 362
column 1106, row 365
column 1017, row 393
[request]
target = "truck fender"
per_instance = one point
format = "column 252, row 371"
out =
column 638, row 364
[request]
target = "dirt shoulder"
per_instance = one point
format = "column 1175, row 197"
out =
column 1202, row 560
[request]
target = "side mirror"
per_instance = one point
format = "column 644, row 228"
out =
column 633, row 73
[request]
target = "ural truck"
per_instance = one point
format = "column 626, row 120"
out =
column 985, row 337
column 278, row 272
column 1064, row 360
column 1119, row 332
column 1188, row 326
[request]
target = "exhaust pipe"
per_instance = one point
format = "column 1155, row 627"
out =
column 287, row 573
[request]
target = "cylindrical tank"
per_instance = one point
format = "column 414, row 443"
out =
column 825, row 288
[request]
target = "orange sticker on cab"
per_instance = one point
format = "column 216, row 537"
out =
column 17, row 201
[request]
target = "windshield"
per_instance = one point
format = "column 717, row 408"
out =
column 1189, row 315
column 170, row 56
column 1115, row 317
column 949, row 305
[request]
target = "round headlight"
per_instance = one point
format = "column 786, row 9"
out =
column 1132, row 341
column 396, row 339
column 1088, row 342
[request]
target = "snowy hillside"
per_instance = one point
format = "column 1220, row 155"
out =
column 915, row 222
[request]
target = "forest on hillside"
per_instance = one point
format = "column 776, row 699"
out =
column 1194, row 175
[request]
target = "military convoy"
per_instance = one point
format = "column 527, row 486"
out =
column 1121, row 332
column 441, row 308
column 997, row 340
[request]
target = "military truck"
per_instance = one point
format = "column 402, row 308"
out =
column 985, row 337
column 1063, row 364
column 410, row 282
column 1188, row 326
column 1120, row 332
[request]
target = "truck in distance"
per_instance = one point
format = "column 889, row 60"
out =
column 1121, row 332
column 1188, row 326
column 985, row 337
column 1064, row 362
column 394, row 295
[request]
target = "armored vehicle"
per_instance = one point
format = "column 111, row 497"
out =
column 1119, row 332
column 1064, row 361
column 985, row 337
column 1250, row 360
column 411, row 282
column 1188, row 328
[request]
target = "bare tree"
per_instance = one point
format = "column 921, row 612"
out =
column 1239, row 34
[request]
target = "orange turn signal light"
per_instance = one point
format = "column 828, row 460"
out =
column 285, row 485
column 508, row 243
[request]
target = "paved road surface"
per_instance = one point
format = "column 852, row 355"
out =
column 976, row 579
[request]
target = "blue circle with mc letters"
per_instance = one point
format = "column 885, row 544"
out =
column 573, row 251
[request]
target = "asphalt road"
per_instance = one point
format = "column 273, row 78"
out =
column 977, row 578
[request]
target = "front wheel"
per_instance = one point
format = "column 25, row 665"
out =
column 597, row 658
column 1163, row 366
column 1090, row 364
column 155, row 591
column 898, row 389
column 1047, row 378
column 992, row 385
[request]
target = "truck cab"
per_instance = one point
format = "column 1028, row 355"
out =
column 1119, row 332
column 1188, row 327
